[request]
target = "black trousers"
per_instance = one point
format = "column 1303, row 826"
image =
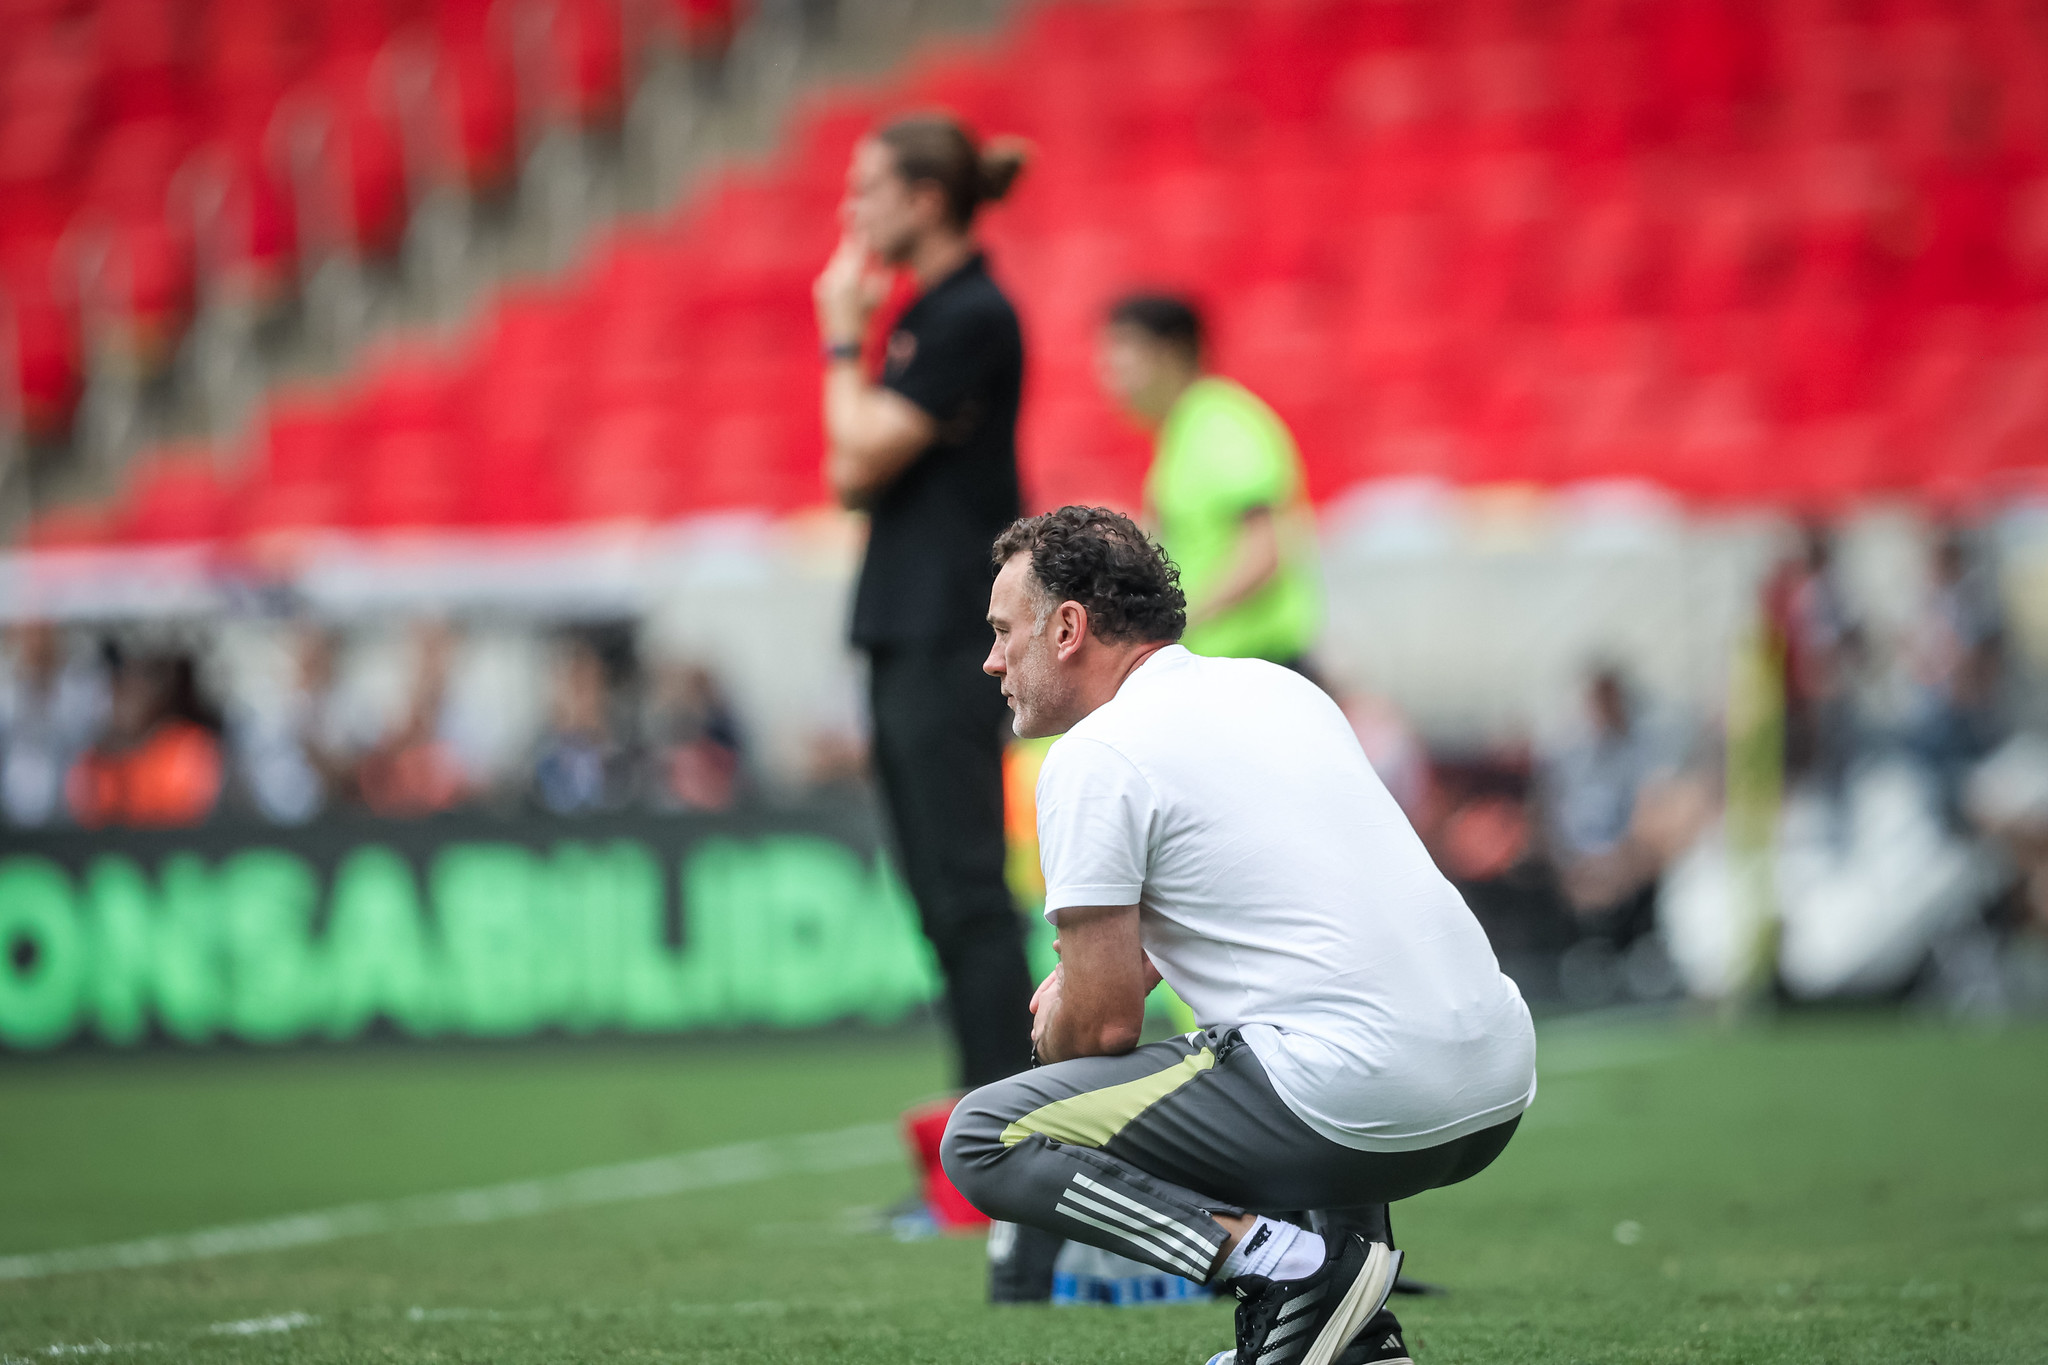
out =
column 939, row 729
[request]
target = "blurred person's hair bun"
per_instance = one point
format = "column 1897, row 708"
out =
column 1003, row 159
column 936, row 148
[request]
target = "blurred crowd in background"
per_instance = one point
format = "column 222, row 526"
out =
column 153, row 729
column 1584, row 838
column 1909, row 793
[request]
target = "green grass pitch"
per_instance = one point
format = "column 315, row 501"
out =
column 1833, row 1190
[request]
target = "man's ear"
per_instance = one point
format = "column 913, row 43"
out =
column 1071, row 627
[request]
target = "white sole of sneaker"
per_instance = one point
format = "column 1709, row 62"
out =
column 1366, row 1296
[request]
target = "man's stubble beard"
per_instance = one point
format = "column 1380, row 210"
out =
column 1040, row 703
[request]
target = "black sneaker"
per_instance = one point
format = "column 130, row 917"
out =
column 1379, row 1344
column 1311, row 1320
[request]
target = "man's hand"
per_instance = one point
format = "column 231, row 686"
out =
column 1093, row 1004
column 847, row 292
column 1044, row 1003
column 871, row 434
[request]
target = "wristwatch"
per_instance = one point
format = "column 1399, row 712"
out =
column 841, row 350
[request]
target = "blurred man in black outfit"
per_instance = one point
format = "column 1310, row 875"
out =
column 928, row 450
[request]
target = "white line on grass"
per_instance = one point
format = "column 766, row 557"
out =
column 89, row 1348
column 868, row 1144
column 418, row 1314
column 252, row 1327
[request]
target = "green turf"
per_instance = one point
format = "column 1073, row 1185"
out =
column 1818, row 1191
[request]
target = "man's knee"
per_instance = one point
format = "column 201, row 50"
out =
column 973, row 1144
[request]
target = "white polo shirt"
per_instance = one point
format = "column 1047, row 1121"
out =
column 1282, row 891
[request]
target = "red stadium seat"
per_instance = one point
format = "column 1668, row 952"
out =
column 176, row 496
column 477, row 68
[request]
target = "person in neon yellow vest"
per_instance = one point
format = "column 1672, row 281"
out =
column 1225, row 494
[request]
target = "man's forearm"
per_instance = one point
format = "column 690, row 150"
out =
column 872, row 434
column 1054, row 1045
column 1069, row 1033
column 1255, row 564
column 1094, row 1004
column 1243, row 583
column 844, row 469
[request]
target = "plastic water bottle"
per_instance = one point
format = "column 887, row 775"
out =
column 1086, row 1274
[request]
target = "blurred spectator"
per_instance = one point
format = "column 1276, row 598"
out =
column 51, row 707
column 1955, row 660
column 1483, row 835
column 158, row 762
column 298, row 753
column 418, row 768
column 693, row 739
column 835, row 758
column 1591, row 791
column 1810, row 631
column 2007, row 798
column 1476, row 821
column 582, row 763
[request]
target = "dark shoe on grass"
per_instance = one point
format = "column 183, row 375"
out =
column 1379, row 1344
column 1311, row 1320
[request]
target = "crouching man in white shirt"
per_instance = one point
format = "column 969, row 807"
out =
column 1213, row 822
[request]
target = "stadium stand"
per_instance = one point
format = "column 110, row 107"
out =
column 1793, row 253
column 145, row 142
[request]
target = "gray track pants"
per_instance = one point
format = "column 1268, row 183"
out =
column 1134, row 1154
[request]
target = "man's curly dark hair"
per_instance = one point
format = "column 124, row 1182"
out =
column 1101, row 559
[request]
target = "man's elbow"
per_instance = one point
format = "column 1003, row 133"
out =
column 1116, row 1038
column 1265, row 566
